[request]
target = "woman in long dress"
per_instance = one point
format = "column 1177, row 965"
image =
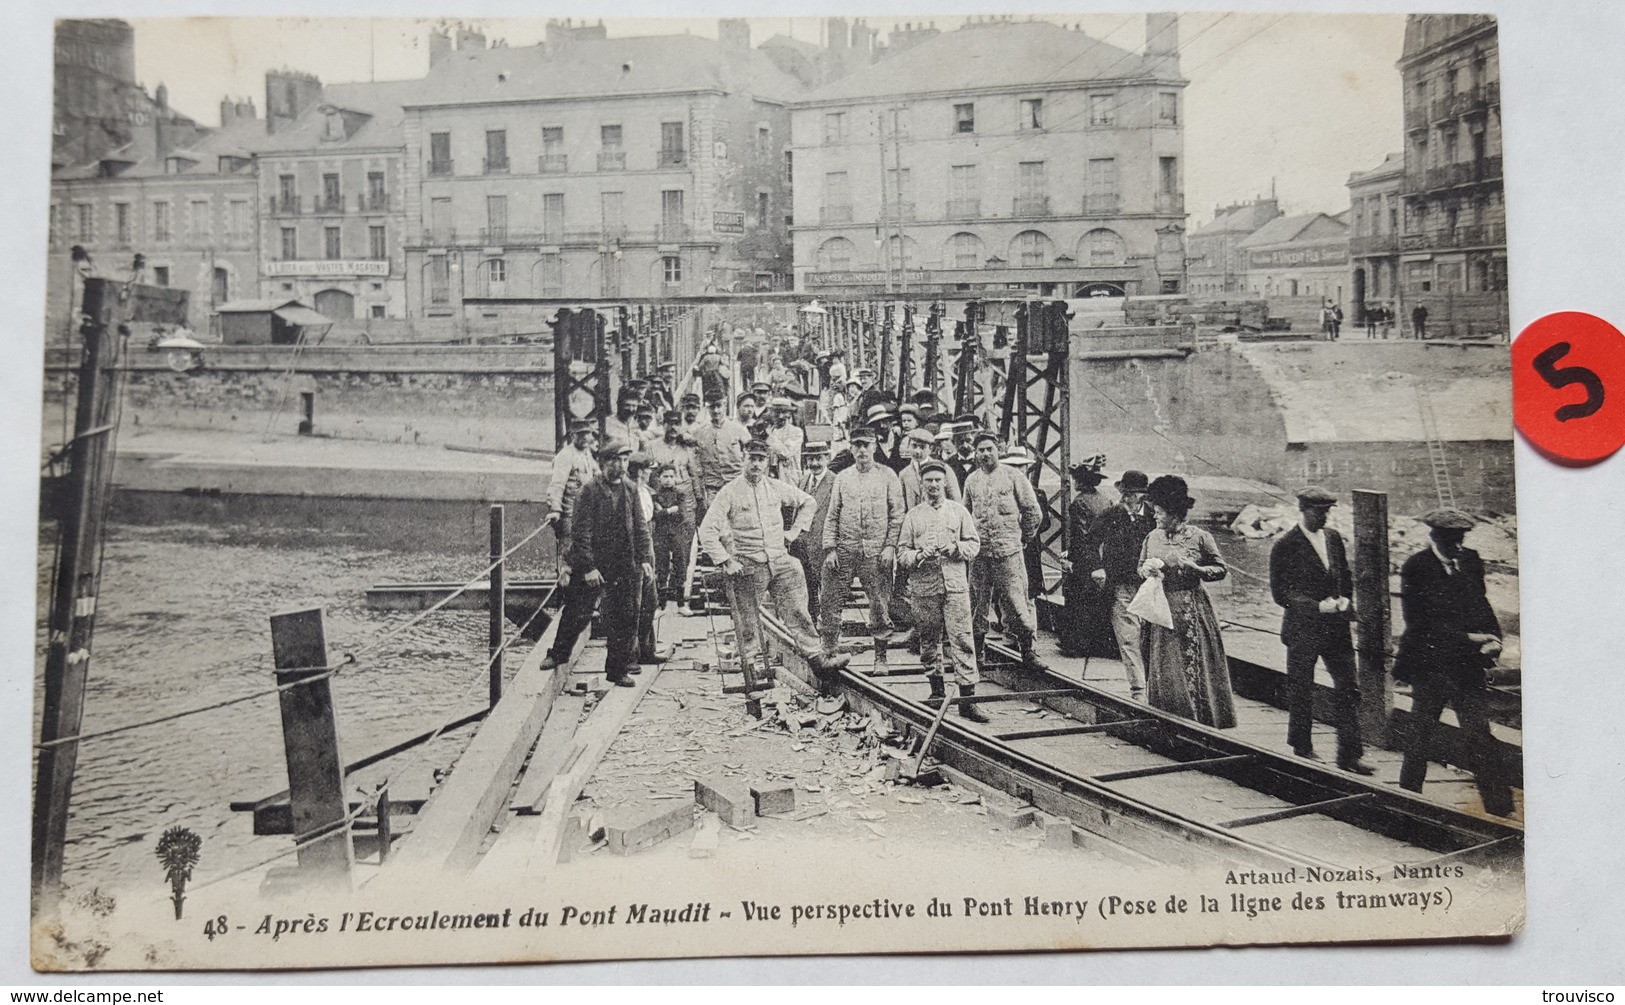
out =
column 1185, row 667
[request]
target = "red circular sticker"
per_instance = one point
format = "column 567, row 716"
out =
column 1568, row 386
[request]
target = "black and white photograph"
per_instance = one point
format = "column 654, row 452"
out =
column 578, row 488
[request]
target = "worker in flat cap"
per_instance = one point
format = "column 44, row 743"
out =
column 1451, row 638
column 1310, row 578
column 936, row 544
column 1007, row 516
column 610, row 553
column 860, row 539
column 744, row 533
column 916, row 448
column 719, row 447
column 672, row 451
column 747, row 354
column 785, row 437
column 574, row 465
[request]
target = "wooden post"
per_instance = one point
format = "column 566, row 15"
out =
column 73, row 607
column 1371, row 604
column 496, row 599
column 384, row 830
column 310, row 742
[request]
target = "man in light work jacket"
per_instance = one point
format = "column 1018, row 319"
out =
column 744, row 534
column 1005, row 508
column 860, row 539
column 936, row 544
column 573, row 467
column 1310, row 578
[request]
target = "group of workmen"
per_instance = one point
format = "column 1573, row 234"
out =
column 938, row 522
column 928, row 513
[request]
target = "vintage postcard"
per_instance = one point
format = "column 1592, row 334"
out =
column 578, row 489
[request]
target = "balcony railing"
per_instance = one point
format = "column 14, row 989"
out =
column 1374, row 244
column 670, row 232
column 285, row 205
column 494, row 236
column 612, row 160
column 835, row 214
column 1470, row 236
column 1170, row 202
column 1469, row 102
column 673, row 158
column 553, row 163
column 964, row 209
column 440, row 167
column 1102, row 205
column 330, row 205
column 1030, row 205
column 374, row 203
column 1485, row 169
column 495, row 165
column 439, row 236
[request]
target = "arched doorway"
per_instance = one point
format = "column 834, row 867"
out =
column 335, row 304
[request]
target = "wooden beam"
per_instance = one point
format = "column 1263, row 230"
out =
column 1078, row 730
column 978, row 699
column 1371, row 605
column 1289, row 812
column 1169, row 769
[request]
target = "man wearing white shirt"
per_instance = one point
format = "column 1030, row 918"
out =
column 1310, row 578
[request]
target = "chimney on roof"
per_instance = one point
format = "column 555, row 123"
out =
column 162, row 97
column 469, row 38
column 909, row 36
column 1162, row 42
column 734, row 34
column 838, row 32
column 439, row 46
column 287, row 94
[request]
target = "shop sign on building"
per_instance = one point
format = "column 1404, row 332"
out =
column 328, row 267
column 724, row 222
column 1278, row 258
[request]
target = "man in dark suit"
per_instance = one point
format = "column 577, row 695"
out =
column 1310, row 578
column 816, row 480
column 610, row 549
column 1451, row 637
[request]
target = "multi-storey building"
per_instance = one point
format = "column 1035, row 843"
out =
column 190, row 214
column 590, row 166
column 332, row 197
column 1000, row 155
column 1374, row 198
column 1217, row 263
column 1453, row 218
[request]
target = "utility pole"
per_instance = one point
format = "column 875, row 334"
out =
column 883, row 227
column 82, row 509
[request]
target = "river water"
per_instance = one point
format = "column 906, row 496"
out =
column 183, row 621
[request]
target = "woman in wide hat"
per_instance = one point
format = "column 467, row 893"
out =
column 1085, row 623
column 1185, row 666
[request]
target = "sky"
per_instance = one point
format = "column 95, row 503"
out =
column 1295, row 100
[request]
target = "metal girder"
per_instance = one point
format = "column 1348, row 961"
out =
column 585, row 377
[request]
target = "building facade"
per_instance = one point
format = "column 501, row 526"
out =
column 1374, row 202
column 332, row 199
column 588, row 167
column 190, row 214
column 1453, row 214
column 1217, row 264
column 1002, row 155
column 1305, row 255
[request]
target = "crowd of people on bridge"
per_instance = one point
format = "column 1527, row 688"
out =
column 805, row 481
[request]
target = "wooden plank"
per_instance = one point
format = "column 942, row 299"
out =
column 454, row 824
column 594, row 737
column 311, row 744
column 1371, row 605
column 1093, row 727
column 551, row 750
column 1169, row 769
